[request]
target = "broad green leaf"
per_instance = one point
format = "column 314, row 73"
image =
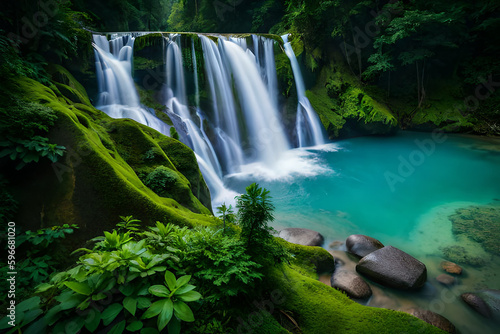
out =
column 28, row 304
column 184, row 289
column 99, row 296
column 78, row 287
column 72, row 302
column 183, row 312
column 189, row 296
column 159, row 290
column 53, row 315
column 118, row 328
column 30, row 316
column 135, row 326
column 143, row 302
column 110, row 313
column 170, row 279
column 43, row 287
column 93, row 319
column 73, row 325
column 37, row 327
column 165, row 314
column 183, row 280
column 130, row 304
column 154, row 309
column 149, row 330
column 174, row 326
column 127, row 289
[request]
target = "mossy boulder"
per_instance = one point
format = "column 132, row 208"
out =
column 98, row 178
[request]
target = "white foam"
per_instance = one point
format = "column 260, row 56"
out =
column 292, row 163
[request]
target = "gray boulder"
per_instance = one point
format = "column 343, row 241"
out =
column 394, row 268
column 351, row 283
column 362, row 245
column 432, row 318
column 302, row 236
column 485, row 302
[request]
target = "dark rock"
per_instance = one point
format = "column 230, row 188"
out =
column 362, row 245
column 477, row 303
column 485, row 302
column 451, row 267
column 432, row 318
column 446, row 279
column 394, row 268
column 351, row 283
column 302, row 236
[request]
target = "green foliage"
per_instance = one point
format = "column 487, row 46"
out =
column 161, row 180
column 226, row 213
column 31, row 150
column 8, row 205
column 36, row 256
column 224, row 268
column 128, row 224
column 254, row 212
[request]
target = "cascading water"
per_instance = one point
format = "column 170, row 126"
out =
column 308, row 126
column 241, row 129
column 117, row 94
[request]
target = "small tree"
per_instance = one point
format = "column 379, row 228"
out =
column 255, row 210
column 227, row 213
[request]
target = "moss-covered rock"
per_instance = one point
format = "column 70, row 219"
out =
column 345, row 108
column 98, row 178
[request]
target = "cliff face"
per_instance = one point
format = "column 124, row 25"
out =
column 104, row 170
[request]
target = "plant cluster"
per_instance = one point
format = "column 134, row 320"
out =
column 36, row 257
column 128, row 280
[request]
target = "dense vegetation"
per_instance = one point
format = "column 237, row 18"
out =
column 67, row 171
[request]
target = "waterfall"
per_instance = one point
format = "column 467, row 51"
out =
column 308, row 126
column 117, row 94
column 235, row 126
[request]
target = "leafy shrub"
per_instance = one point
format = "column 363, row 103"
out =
column 35, row 256
column 160, row 180
column 27, row 151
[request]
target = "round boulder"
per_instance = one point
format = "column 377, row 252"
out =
column 485, row 302
column 302, row 236
column 432, row 318
column 351, row 283
column 451, row 267
column 446, row 279
column 394, row 268
column 362, row 245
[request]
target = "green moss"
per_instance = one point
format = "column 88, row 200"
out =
column 318, row 308
column 68, row 85
column 338, row 98
column 102, row 184
column 141, row 63
column 148, row 40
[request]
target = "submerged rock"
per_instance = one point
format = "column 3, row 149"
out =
column 459, row 254
column 446, row 279
column 362, row 245
column 432, row 318
column 485, row 302
column 394, row 268
column 451, row 267
column 302, row 236
column 351, row 283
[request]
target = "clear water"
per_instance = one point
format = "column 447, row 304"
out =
column 347, row 188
